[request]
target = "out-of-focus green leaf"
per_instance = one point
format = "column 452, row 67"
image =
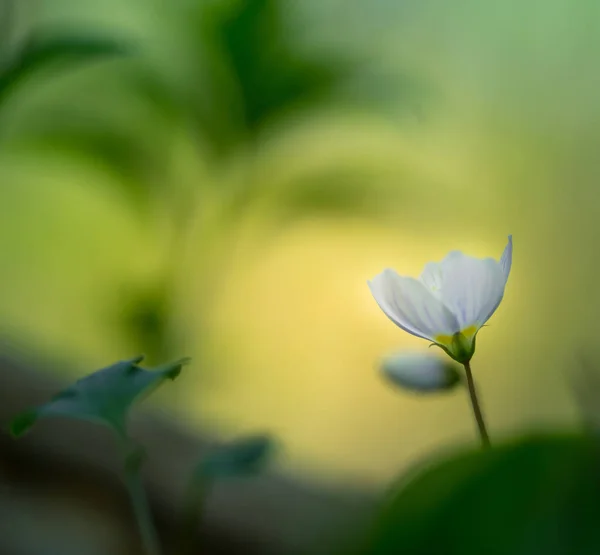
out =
column 271, row 75
column 252, row 72
column 144, row 315
column 43, row 49
column 104, row 396
column 539, row 495
column 94, row 130
column 339, row 191
column 131, row 160
column 243, row 457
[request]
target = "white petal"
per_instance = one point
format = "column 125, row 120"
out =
column 432, row 278
column 410, row 305
column 506, row 258
column 472, row 288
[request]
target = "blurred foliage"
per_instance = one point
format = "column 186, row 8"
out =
column 146, row 312
column 239, row 77
column 537, row 495
column 43, row 49
column 242, row 457
column 105, row 396
column 333, row 192
column 242, row 72
column 267, row 77
column 584, row 379
column 244, row 75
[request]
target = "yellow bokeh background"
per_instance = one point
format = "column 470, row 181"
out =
column 291, row 338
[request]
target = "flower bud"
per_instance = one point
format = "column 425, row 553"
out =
column 420, row 372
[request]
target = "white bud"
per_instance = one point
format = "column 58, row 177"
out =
column 420, row 372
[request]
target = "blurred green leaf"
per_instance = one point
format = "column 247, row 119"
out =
column 539, row 495
column 43, row 49
column 337, row 191
column 144, row 315
column 7, row 22
column 104, row 396
column 270, row 74
column 251, row 71
column 242, row 457
column 95, row 131
column 118, row 150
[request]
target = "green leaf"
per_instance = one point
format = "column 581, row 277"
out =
column 272, row 76
column 144, row 316
column 23, row 422
column 104, row 396
column 117, row 131
column 47, row 48
column 251, row 72
column 336, row 192
column 243, row 457
column 539, row 495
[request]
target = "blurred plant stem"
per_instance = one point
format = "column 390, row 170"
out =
column 485, row 439
column 213, row 214
column 139, row 500
column 189, row 209
column 183, row 208
column 193, row 508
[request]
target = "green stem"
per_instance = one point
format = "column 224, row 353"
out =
column 192, row 513
column 140, row 505
column 485, row 438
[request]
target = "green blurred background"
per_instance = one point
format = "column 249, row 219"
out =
column 219, row 179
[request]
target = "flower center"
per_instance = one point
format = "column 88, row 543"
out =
column 447, row 340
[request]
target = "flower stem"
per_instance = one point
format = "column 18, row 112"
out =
column 142, row 514
column 195, row 500
column 485, row 439
column 139, row 502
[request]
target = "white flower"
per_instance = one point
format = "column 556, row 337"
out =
column 420, row 372
column 449, row 302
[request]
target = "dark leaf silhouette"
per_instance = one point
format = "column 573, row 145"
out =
column 535, row 495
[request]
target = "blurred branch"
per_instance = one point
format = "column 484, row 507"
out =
column 267, row 514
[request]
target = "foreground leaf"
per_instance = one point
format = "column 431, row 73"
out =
column 539, row 495
column 104, row 396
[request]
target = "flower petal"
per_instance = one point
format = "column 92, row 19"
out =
column 505, row 264
column 472, row 288
column 411, row 306
column 432, row 278
column 506, row 258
